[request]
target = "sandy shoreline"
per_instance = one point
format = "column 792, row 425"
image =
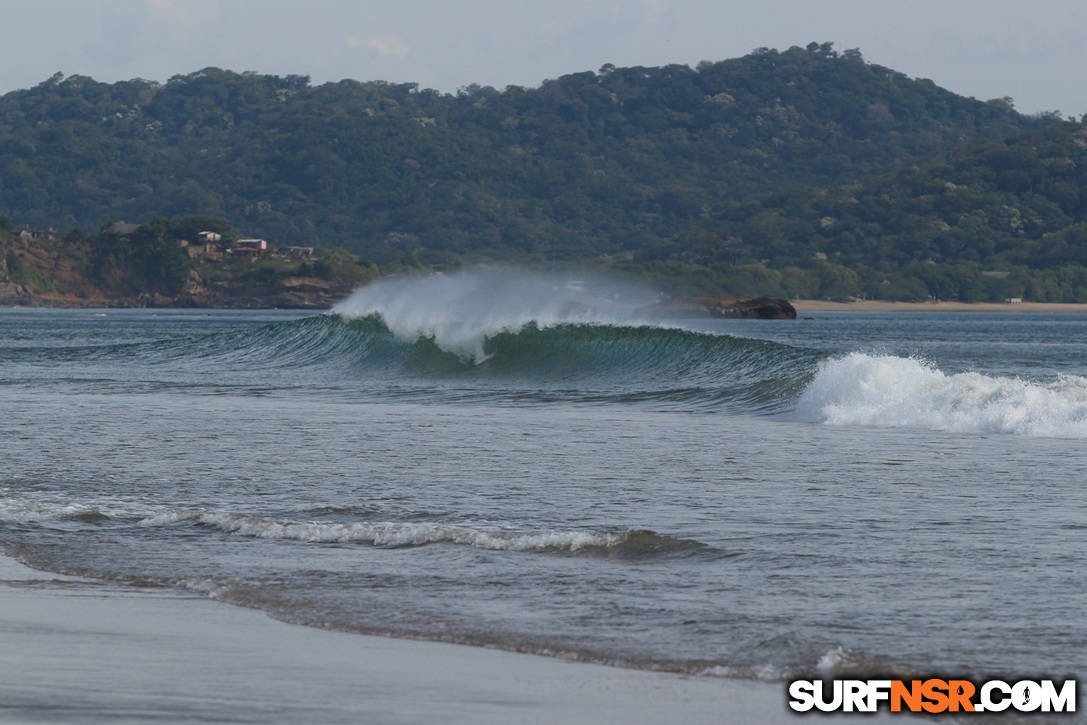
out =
column 90, row 651
column 883, row 306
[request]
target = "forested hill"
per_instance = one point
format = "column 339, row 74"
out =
column 1007, row 218
column 615, row 162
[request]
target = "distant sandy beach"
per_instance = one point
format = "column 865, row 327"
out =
column 884, row 306
column 81, row 650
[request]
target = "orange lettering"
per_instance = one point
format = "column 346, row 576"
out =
column 960, row 692
column 911, row 696
column 934, row 691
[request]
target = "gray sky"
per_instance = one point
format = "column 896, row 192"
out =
column 1033, row 52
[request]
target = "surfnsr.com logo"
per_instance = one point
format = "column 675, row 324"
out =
column 932, row 696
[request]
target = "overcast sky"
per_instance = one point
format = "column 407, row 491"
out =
column 1034, row 52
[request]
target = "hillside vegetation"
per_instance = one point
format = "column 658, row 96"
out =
column 1004, row 219
column 155, row 264
column 806, row 172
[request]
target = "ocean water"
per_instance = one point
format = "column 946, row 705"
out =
column 538, row 464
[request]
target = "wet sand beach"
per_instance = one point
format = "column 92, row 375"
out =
column 885, row 306
column 81, row 650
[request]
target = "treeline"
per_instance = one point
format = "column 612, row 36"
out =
column 1003, row 219
column 806, row 171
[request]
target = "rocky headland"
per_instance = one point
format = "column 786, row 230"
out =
column 729, row 306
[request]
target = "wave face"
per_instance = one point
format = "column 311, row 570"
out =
column 566, row 338
column 887, row 391
column 483, row 336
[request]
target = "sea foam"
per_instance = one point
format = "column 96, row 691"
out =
column 31, row 507
column 888, row 391
column 403, row 534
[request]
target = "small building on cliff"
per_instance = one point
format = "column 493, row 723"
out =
column 252, row 248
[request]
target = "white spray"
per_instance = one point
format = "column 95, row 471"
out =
column 460, row 310
column 887, row 391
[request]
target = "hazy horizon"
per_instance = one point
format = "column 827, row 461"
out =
column 981, row 48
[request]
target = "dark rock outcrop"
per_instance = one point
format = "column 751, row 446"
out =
column 761, row 308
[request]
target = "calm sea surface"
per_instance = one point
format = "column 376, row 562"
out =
column 459, row 461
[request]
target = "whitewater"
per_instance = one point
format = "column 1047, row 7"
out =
column 552, row 464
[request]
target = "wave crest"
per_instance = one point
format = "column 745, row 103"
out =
column 412, row 534
column 459, row 312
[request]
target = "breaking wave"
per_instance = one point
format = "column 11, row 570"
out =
column 461, row 312
column 413, row 534
column 887, row 391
